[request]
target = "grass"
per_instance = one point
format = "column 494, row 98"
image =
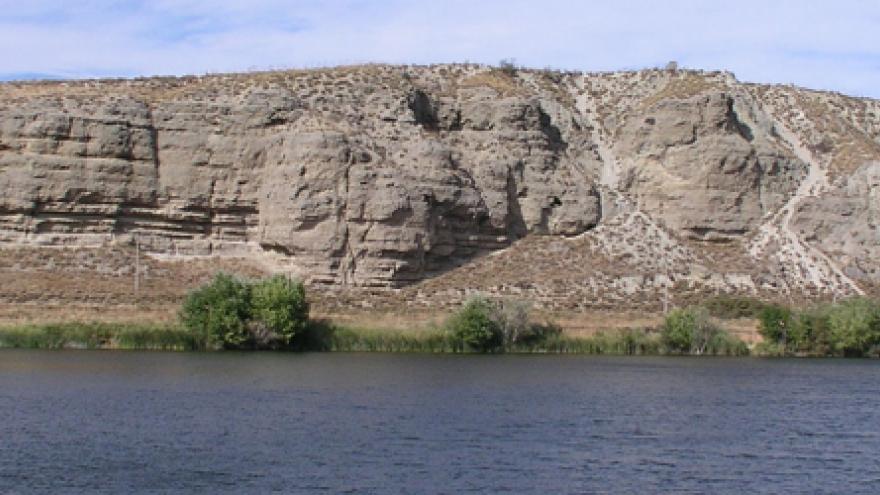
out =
column 619, row 342
column 98, row 336
column 626, row 342
column 352, row 339
column 326, row 337
column 438, row 340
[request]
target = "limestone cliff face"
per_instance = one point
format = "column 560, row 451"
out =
column 384, row 176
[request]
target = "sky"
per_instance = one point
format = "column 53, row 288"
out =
column 820, row 44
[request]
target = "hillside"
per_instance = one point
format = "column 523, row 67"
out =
column 407, row 188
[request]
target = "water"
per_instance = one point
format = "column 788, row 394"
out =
column 121, row 422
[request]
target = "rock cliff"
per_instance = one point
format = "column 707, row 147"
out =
column 384, row 176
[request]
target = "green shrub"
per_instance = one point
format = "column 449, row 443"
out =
column 234, row 314
column 483, row 325
column 474, row 328
column 854, row 326
column 219, row 312
column 692, row 331
column 810, row 333
column 512, row 316
column 775, row 322
column 279, row 310
column 847, row 328
column 537, row 333
column 678, row 331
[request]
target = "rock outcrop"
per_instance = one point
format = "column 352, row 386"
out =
column 844, row 222
column 384, row 176
column 697, row 166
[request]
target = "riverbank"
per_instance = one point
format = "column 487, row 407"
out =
column 98, row 335
column 274, row 314
column 324, row 336
column 329, row 337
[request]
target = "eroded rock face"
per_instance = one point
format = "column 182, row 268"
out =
column 697, row 166
column 845, row 222
column 367, row 215
column 74, row 172
column 376, row 205
column 383, row 176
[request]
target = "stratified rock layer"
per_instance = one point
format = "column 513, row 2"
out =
column 387, row 176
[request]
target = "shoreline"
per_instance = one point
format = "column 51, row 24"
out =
column 332, row 338
column 717, row 327
column 325, row 336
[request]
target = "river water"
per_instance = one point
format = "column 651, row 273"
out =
column 128, row 422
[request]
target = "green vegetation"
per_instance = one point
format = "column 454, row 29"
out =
column 476, row 327
column 692, row 331
column 855, row 327
column 440, row 340
column 482, row 325
column 100, row 336
column 775, row 323
column 351, row 339
column 219, row 311
column 486, row 326
column 624, row 342
column 280, row 311
column 237, row 314
column 231, row 313
column 849, row 328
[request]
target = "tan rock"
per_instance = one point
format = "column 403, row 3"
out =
column 383, row 176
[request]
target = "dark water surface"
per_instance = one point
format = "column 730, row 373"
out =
column 124, row 422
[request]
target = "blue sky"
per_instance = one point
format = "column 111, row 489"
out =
column 815, row 43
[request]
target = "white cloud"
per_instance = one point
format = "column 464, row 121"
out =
column 828, row 45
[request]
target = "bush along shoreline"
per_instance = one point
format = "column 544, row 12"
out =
column 273, row 314
column 849, row 328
